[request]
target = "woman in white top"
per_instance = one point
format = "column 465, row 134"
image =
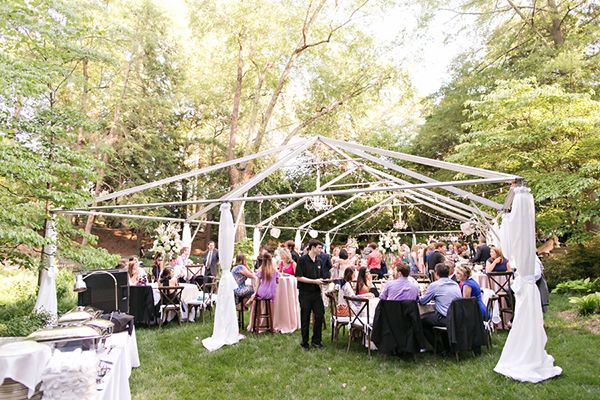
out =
column 136, row 274
column 346, row 290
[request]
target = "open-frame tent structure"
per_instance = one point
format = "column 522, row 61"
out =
column 454, row 202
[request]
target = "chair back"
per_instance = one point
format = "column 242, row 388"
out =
column 499, row 282
column 170, row 295
column 210, row 288
column 465, row 325
column 363, row 304
column 397, row 327
column 333, row 297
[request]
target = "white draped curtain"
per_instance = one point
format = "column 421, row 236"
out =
column 46, row 300
column 524, row 356
column 225, row 328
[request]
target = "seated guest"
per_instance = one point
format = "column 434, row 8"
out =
column 268, row 278
column 240, row 273
column 436, row 256
column 443, row 291
column 451, row 270
column 157, row 267
column 346, row 290
column 137, row 276
column 167, row 278
column 497, row 262
column 287, row 265
column 342, row 264
column 122, row 263
column 469, row 287
column 400, row 288
column 363, row 281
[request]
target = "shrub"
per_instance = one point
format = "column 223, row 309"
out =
column 578, row 262
column 24, row 325
column 579, row 286
column 586, row 305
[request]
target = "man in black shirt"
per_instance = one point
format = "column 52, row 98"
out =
column 310, row 273
column 437, row 256
column 291, row 245
column 482, row 253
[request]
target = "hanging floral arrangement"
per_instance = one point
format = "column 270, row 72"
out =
column 167, row 239
column 389, row 242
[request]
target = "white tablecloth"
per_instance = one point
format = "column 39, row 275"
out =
column 190, row 292
column 24, row 362
column 123, row 356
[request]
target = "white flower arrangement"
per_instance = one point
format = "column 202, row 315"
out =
column 167, row 240
column 389, row 241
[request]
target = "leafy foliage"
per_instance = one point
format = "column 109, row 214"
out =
column 586, row 305
column 578, row 286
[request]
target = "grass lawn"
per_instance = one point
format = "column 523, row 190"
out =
column 175, row 365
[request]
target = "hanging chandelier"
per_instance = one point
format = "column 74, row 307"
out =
column 318, row 203
column 400, row 224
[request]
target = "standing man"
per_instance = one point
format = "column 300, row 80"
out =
column 291, row 246
column 436, row 257
column 211, row 259
column 310, row 273
column 482, row 253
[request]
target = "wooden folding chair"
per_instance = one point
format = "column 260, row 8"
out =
column 209, row 289
column 358, row 323
column 499, row 282
column 170, row 301
column 489, row 324
column 337, row 322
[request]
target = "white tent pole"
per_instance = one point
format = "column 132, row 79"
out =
column 426, row 193
column 419, row 194
column 167, row 219
column 258, row 177
column 239, row 215
column 191, row 174
column 424, row 178
column 484, row 173
column 301, row 201
column 333, row 209
column 302, row 195
column 368, row 210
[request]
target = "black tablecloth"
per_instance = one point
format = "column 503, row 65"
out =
column 141, row 304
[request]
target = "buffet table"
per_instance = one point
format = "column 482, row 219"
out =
column 116, row 359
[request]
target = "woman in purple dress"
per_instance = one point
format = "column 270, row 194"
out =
column 268, row 277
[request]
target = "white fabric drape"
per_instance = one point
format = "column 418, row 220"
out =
column 524, row 357
column 298, row 241
column 225, row 328
column 46, row 300
column 327, row 243
column 493, row 236
column 186, row 236
column 256, row 242
column 414, row 239
column 505, row 235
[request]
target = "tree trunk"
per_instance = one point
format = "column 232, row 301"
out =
column 555, row 28
column 84, row 99
column 110, row 140
column 234, row 174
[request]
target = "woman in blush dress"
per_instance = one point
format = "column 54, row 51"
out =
column 287, row 264
column 268, row 278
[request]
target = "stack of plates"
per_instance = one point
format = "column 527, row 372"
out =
column 12, row 390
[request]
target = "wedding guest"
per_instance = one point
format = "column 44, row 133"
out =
column 335, row 272
column 421, row 258
column 497, row 262
column 374, row 260
column 364, row 283
column 442, row 291
column 268, row 278
column 346, row 290
column 413, row 259
column 400, row 288
column 437, row 256
column 157, row 267
column 167, row 278
column 291, row 246
column 353, row 259
column 287, row 265
column 482, row 252
column 240, row 274
column 211, row 259
column 122, row 263
column 469, row 287
column 136, row 274
column 310, row 275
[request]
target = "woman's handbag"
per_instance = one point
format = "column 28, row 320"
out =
column 342, row 310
